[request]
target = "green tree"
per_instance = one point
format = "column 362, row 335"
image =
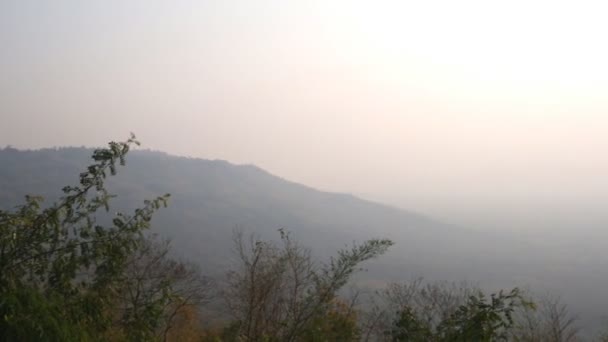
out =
column 443, row 311
column 481, row 319
column 408, row 327
column 338, row 323
column 60, row 265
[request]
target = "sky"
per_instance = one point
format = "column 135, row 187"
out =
column 455, row 108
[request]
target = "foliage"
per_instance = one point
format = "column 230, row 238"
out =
column 28, row 315
column 418, row 304
column 550, row 320
column 409, row 328
column 479, row 319
column 339, row 323
column 443, row 311
column 279, row 292
column 482, row 319
column 59, row 265
column 158, row 292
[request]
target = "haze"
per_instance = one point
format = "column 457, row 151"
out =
column 490, row 115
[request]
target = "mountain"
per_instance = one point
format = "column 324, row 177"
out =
column 210, row 198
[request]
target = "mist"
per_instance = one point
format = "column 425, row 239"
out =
column 335, row 96
column 485, row 116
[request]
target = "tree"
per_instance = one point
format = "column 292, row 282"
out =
column 419, row 311
column 424, row 304
column 158, row 293
column 338, row 323
column 550, row 321
column 408, row 327
column 483, row 319
column 277, row 292
column 59, row 265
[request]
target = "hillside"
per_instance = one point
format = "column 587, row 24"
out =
column 210, row 198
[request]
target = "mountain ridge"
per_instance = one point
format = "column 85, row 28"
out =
column 228, row 194
column 210, row 198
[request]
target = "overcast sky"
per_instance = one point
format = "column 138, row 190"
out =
column 437, row 106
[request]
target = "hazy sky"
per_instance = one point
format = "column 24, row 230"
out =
column 443, row 106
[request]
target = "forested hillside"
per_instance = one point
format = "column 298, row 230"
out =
column 210, row 198
column 211, row 201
